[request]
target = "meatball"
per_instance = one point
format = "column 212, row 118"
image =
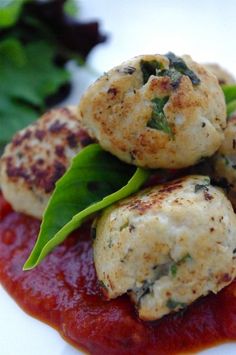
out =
column 167, row 245
column 37, row 157
column 224, row 162
column 224, row 78
column 156, row 111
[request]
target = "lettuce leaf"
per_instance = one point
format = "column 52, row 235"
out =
column 37, row 39
column 95, row 180
column 28, row 76
column 10, row 11
column 230, row 98
column 229, row 92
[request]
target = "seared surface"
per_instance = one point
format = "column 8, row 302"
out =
column 38, row 156
column 167, row 246
column 124, row 110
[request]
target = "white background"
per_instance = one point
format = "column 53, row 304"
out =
column 204, row 29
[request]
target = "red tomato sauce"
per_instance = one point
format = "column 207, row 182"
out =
column 63, row 291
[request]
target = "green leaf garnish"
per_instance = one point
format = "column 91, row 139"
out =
column 94, row 180
column 10, row 11
column 11, row 50
column 33, row 56
column 149, row 68
column 158, row 119
column 229, row 92
column 230, row 98
column 26, row 80
column 179, row 64
column 71, row 7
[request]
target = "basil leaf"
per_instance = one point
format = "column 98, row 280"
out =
column 95, row 180
column 158, row 119
column 26, row 81
column 70, row 7
column 230, row 98
column 10, row 11
column 229, row 92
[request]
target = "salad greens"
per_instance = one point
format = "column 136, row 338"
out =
column 25, row 83
column 230, row 98
column 229, row 92
column 9, row 12
column 95, row 180
column 37, row 39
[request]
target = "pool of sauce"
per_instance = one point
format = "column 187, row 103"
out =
column 64, row 292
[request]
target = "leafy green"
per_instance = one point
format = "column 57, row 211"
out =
column 158, row 119
column 229, row 92
column 230, row 98
column 28, row 75
column 13, row 116
column 149, row 68
column 71, row 7
column 10, row 11
column 179, row 64
column 34, row 49
column 12, row 51
column 95, row 180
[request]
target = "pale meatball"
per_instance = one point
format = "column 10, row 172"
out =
column 222, row 75
column 167, row 245
column 156, row 111
column 224, row 162
column 37, row 157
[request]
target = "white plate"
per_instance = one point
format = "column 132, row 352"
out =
column 206, row 29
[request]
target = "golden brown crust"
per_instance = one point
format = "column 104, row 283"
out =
column 38, row 156
column 118, row 107
column 167, row 245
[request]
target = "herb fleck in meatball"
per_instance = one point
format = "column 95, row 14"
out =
column 38, row 156
column 156, row 111
column 167, row 245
